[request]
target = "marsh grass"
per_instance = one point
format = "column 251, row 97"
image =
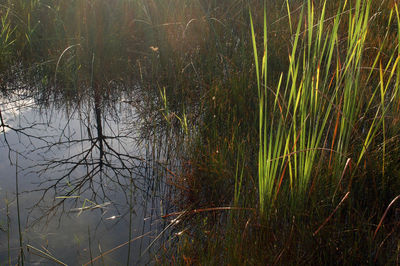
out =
column 6, row 37
column 323, row 126
column 21, row 256
column 8, row 230
column 289, row 110
column 292, row 130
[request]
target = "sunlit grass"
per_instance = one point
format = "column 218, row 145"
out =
column 317, row 110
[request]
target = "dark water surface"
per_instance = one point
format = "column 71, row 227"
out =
column 91, row 173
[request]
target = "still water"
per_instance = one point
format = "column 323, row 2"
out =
column 91, row 171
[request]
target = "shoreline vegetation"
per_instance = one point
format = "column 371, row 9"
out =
column 289, row 113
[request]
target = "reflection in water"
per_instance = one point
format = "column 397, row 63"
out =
column 91, row 180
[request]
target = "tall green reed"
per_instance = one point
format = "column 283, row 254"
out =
column 8, row 229
column 316, row 112
column 267, row 168
column 21, row 256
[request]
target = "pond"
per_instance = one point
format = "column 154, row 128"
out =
column 83, row 178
